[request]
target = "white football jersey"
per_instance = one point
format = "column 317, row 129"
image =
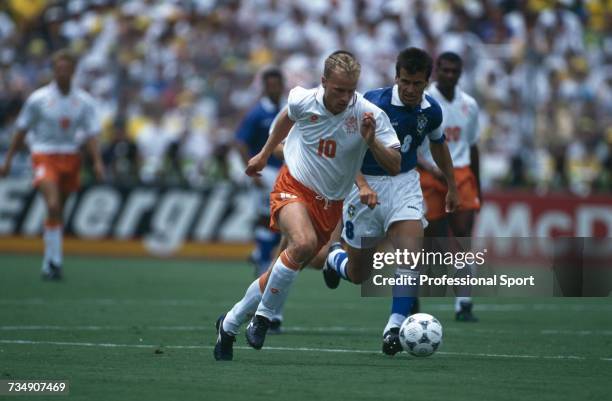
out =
column 324, row 151
column 459, row 124
column 58, row 123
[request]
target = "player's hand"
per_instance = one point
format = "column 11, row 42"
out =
column 368, row 196
column 255, row 165
column 452, row 199
column 368, row 127
column 99, row 171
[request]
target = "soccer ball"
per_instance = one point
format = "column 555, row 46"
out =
column 420, row 334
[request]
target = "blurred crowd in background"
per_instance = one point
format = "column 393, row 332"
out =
column 173, row 78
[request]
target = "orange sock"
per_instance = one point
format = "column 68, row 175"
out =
column 287, row 261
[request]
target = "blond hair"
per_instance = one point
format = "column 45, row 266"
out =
column 342, row 61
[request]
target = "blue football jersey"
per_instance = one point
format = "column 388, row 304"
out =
column 254, row 128
column 410, row 124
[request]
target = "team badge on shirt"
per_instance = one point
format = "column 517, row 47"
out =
column 65, row 122
column 421, row 121
column 350, row 125
column 351, row 211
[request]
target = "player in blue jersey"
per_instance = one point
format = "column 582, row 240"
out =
column 251, row 135
column 399, row 216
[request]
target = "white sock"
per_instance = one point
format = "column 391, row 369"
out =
column 52, row 238
column 395, row 320
column 58, row 243
column 458, row 301
column 277, row 290
column 243, row 310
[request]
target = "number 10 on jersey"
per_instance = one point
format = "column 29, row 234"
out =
column 327, row 148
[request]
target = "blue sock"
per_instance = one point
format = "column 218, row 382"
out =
column 402, row 305
column 338, row 261
column 265, row 240
column 403, row 298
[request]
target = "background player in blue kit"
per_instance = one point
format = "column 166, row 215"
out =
column 252, row 134
column 400, row 214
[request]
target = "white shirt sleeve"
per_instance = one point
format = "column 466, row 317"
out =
column 296, row 103
column 473, row 128
column 384, row 130
column 28, row 115
column 435, row 134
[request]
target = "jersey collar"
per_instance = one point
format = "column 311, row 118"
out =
column 58, row 92
column 396, row 101
column 268, row 105
column 433, row 88
column 319, row 95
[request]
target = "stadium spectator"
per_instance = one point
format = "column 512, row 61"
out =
column 557, row 55
column 121, row 155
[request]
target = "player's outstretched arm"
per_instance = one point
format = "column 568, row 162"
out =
column 94, row 152
column 442, row 157
column 279, row 151
column 16, row 144
column 389, row 159
column 279, row 132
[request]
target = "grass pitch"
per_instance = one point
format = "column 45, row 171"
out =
column 134, row 329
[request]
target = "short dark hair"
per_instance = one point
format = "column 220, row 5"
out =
column 65, row 54
column 272, row 72
column 450, row 57
column 414, row 60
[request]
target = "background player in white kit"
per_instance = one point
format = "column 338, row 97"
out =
column 460, row 127
column 59, row 119
column 329, row 130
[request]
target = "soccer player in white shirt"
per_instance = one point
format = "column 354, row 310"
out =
column 328, row 131
column 461, row 130
column 58, row 119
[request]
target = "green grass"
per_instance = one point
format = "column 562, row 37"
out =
column 156, row 319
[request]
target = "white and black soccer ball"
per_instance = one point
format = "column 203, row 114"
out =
column 420, row 334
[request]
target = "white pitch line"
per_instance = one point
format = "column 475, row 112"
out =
column 103, row 328
column 297, row 329
column 292, row 349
